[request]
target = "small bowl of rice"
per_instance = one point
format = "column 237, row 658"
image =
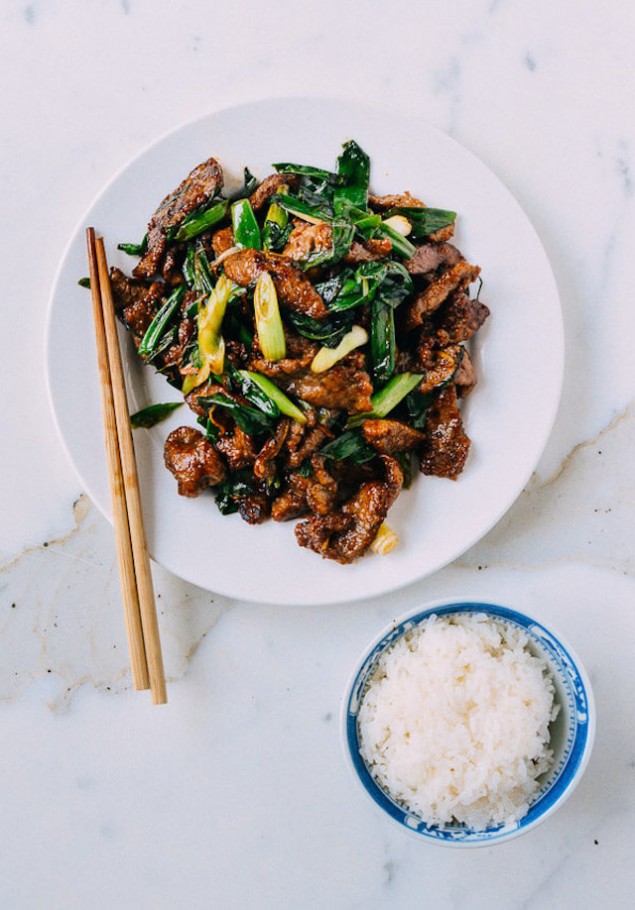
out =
column 468, row 723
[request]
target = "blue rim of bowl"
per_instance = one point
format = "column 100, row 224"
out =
column 562, row 779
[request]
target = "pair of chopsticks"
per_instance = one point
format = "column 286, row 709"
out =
column 132, row 553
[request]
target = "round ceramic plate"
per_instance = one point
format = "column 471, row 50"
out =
column 518, row 354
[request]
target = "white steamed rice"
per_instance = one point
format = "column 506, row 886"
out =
column 454, row 722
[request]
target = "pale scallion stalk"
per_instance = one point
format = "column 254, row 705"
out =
column 385, row 541
column 328, row 357
column 268, row 320
column 211, row 345
column 400, row 224
column 400, row 244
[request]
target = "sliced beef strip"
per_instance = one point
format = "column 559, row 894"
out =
column 193, row 461
column 237, row 447
column 315, row 493
column 195, row 191
column 321, row 492
column 172, row 265
column 307, row 238
column 369, row 251
column 431, row 256
column 254, row 508
column 135, row 302
column 345, row 386
column 456, row 321
column 439, row 366
column 394, row 200
column 291, row 503
column 302, row 445
column 445, row 450
column 391, row 436
column 269, row 187
column 222, row 241
column 299, row 347
column 459, row 319
column 465, row 378
column 456, row 277
column 295, row 290
column 264, row 465
column 347, row 534
column 443, row 234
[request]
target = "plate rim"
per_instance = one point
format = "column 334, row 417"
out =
column 360, row 107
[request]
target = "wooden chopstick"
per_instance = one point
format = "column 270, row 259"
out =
column 137, row 589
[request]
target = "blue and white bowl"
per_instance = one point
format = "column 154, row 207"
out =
column 572, row 733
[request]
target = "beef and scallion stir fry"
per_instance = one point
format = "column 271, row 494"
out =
column 317, row 332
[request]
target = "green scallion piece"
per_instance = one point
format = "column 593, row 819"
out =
column 198, row 222
column 158, row 325
column 285, row 405
column 245, row 226
column 134, row 249
column 153, row 414
column 386, row 399
column 393, row 392
column 400, row 244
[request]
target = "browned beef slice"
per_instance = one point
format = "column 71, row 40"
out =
column 394, row 200
column 269, row 186
column 390, row 436
column 443, row 234
column 192, row 460
column 440, row 366
column 264, row 465
column 307, row 238
column 454, row 322
column 222, row 240
column 135, row 303
column 321, row 492
column 446, row 447
column 295, row 290
column 345, row 386
column 316, row 493
column 456, row 277
column 304, row 442
column 466, row 378
column 291, row 503
column 347, row 534
column 196, row 190
column 431, row 256
column 369, row 251
column 237, row 448
column 299, row 347
column 254, row 508
column 459, row 319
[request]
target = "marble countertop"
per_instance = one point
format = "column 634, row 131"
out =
column 236, row 794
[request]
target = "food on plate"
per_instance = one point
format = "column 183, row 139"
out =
column 454, row 721
column 319, row 335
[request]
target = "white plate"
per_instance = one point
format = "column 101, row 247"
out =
column 519, row 354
